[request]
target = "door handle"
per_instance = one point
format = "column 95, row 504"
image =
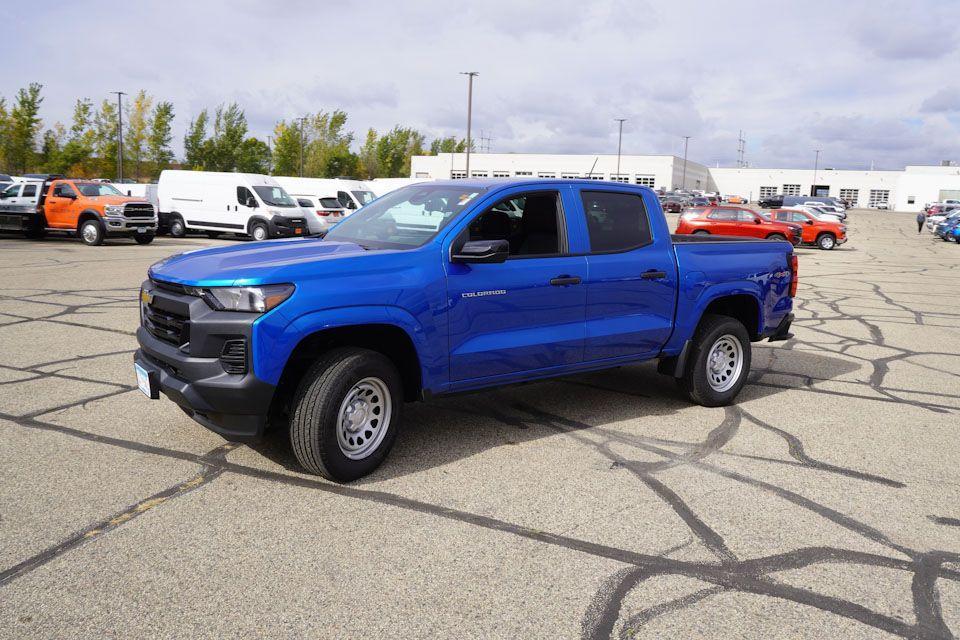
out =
column 562, row 281
column 653, row 274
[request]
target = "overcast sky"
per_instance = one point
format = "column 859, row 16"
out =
column 866, row 81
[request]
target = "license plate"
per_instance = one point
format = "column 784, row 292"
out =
column 143, row 382
column 141, row 230
column 298, row 231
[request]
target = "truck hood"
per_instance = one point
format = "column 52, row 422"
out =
column 252, row 263
column 115, row 199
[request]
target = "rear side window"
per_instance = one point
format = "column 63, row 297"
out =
column 303, row 202
column 615, row 221
column 330, row 203
column 29, row 191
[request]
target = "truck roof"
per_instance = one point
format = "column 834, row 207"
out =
column 487, row 183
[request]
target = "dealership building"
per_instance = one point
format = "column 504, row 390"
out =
column 905, row 190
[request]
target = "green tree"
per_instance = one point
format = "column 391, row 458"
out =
column 138, row 127
column 368, row 163
column 450, row 144
column 286, row 149
column 253, row 156
column 4, row 128
column 327, row 153
column 395, row 149
column 51, row 148
column 105, row 145
column 158, row 141
column 77, row 151
column 22, row 129
column 229, row 133
column 194, row 149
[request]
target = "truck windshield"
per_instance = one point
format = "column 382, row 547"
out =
column 275, row 197
column 406, row 218
column 364, row 197
column 94, row 189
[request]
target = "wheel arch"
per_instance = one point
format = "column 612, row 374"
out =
column 89, row 214
column 741, row 306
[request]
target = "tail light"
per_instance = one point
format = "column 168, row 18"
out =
column 327, row 213
column 794, row 275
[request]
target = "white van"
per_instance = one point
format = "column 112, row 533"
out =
column 318, row 197
column 243, row 203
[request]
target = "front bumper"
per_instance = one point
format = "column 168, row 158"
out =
column 283, row 227
column 119, row 225
column 189, row 370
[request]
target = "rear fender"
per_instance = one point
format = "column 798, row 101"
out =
column 696, row 295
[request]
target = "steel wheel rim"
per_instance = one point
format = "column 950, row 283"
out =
column 724, row 363
column 259, row 233
column 364, row 418
column 90, row 233
column 827, row 242
column 177, row 228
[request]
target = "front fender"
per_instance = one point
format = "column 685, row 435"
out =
column 274, row 343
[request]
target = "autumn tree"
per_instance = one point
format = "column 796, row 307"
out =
column 138, row 127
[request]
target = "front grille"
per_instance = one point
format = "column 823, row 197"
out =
column 168, row 326
column 168, row 286
column 138, row 210
column 233, row 356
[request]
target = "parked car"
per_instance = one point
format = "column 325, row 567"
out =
column 822, row 233
column 247, row 204
column 91, row 210
column 673, row 204
column 771, row 202
column 327, row 339
column 321, row 217
column 942, row 228
column 738, row 221
column 736, row 199
column 938, row 215
column 698, row 202
column 823, row 214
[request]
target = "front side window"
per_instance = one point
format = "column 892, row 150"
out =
column 745, row 216
column 275, row 197
column 529, row 222
column 615, row 221
column 723, row 214
column 345, row 200
column 364, row 197
column 11, row 191
column 244, row 195
column 406, row 218
column 94, row 189
column 63, row 190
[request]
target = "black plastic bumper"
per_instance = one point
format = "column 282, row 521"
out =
column 190, row 371
column 281, row 227
column 782, row 332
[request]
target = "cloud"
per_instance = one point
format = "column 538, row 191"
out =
column 945, row 100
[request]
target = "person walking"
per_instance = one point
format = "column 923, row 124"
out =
column 921, row 218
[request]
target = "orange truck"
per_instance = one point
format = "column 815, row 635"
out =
column 93, row 211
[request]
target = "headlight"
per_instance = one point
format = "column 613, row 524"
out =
column 245, row 299
column 113, row 209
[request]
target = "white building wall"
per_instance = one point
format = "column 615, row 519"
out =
column 922, row 184
column 748, row 182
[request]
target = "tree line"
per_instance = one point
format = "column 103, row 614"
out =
column 316, row 145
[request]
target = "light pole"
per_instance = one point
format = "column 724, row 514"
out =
column 619, row 144
column 303, row 121
column 470, row 75
column 686, row 142
column 120, row 95
column 816, row 165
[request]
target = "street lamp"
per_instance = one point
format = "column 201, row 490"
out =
column 619, row 144
column 303, row 121
column 470, row 75
column 816, row 165
column 120, row 95
column 686, row 142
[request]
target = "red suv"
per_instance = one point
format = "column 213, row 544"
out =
column 737, row 221
column 822, row 233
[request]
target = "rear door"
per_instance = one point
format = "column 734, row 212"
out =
column 632, row 283
column 525, row 314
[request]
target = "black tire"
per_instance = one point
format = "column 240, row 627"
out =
column 261, row 229
column 316, row 407
column 777, row 236
column 826, row 241
column 91, row 232
column 213, row 235
column 701, row 232
column 143, row 238
column 695, row 383
column 178, row 228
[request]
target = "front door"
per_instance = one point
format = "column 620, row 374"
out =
column 525, row 314
column 59, row 205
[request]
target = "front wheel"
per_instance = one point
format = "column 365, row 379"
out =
column 826, row 242
column 143, row 238
column 91, row 232
column 777, row 236
column 701, row 232
column 345, row 414
column 259, row 231
column 177, row 228
column 719, row 362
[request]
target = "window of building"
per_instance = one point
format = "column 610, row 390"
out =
column 569, row 176
column 458, row 175
column 529, row 222
column 422, row 174
column 850, row 195
column 596, row 176
column 645, row 181
column 524, row 173
column 791, row 189
column 501, row 174
column 479, row 174
column 546, row 174
column 911, row 199
column 620, row 177
column 879, row 197
column 768, row 192
column 615, row 221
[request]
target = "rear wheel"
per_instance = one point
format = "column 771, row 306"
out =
column 719, row 362
column 777, row 236
column 701, row 232
column 91, row 232
column 259, row 231
column 826, row 241
column 345, row 414
column 177, row 228
column 143, row 238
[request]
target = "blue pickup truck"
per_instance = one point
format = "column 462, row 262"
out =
column 447, row 287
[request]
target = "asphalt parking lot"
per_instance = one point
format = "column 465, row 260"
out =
column 826, row 503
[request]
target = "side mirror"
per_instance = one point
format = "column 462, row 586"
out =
column 251, row 202
column 809, row 221
column 757, row 221
column 483, row 251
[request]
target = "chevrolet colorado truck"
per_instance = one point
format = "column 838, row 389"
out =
column 447, row 287
column 91, row 210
